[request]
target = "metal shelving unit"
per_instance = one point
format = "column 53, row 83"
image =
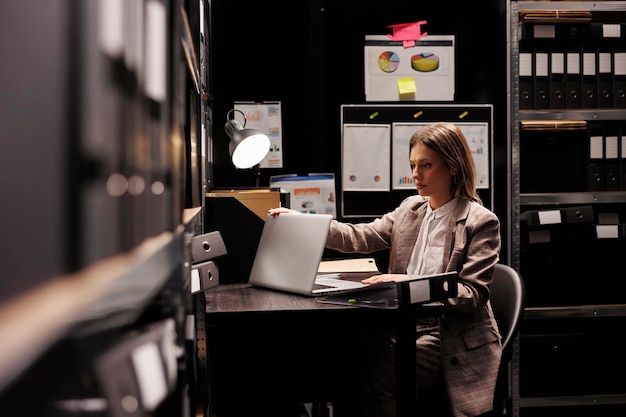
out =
column 540, row 405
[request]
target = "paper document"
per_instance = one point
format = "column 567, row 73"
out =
column 348, row 265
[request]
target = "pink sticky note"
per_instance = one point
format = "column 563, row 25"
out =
column 408, row 33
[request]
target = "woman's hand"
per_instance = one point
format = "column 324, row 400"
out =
column 375, row 279
column 276, row 211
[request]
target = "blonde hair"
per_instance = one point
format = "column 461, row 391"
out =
column 448, row 140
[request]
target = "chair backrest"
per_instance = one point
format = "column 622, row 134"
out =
column 507, row 300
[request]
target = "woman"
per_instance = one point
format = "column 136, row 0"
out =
column 444, row 228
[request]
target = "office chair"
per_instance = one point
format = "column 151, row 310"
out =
column 507, row 297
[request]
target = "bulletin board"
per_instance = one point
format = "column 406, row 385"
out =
column 375, row 171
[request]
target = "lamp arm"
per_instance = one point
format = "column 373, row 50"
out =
column 257, row 173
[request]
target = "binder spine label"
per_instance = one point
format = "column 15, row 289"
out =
column 419, row 291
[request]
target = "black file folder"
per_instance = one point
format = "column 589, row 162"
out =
column 595, row 164
column 138, row 365
column 541, row 80
column 438, row 288
column 605, row 76
column 589, row 76
column 572, row 77
column 557, row 78
column 399, row 294
column 525, row 75
column 622, row 158
column 619, row 76
column 567, row 215
column 611, row 161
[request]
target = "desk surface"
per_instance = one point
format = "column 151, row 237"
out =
column 244, row 298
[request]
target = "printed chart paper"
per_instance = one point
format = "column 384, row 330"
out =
column 423, row 72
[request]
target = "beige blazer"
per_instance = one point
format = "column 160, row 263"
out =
column 470, row 341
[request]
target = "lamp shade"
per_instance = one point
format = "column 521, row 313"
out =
column 247, row 147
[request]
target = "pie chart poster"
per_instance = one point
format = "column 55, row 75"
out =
column 423, row 72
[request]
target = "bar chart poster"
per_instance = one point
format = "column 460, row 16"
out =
column 363, row 169
column 400, row 167
column 476, row 135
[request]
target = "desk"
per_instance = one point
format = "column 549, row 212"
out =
column 234, row 305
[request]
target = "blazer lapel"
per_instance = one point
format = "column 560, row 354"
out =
column 456, row 236
column 407, row 236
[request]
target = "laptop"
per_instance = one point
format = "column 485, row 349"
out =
column 289, row 254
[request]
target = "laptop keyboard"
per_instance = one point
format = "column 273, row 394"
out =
column 317, row 286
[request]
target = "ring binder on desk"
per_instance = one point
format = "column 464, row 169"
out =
column 427, row 289
column 399, row 294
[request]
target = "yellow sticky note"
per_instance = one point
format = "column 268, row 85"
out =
column 406, row 85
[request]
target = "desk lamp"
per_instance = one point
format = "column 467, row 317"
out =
column 247, row 147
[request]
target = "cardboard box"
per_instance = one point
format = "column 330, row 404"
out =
column 259, row 201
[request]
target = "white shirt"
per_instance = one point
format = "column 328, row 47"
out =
column 427, row 255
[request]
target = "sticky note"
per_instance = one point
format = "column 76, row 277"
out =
column 406, row 85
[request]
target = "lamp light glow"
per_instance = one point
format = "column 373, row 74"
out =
column 247, row 147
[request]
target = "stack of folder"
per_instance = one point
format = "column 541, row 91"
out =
column 559, row 148
column 554, row 16
column 557, row 244
column 571, row 224
column 606, row 167
column 569, row 61
column 596, row 148
column 553, row 124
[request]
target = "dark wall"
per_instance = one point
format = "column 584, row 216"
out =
column 254, row 58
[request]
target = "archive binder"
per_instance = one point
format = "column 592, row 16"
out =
column 557, row 78
column 207, row 246
column 611, row 161
column 541, row 82
column 427, row 289
column 525, row 76
column 567, row 215
column 605, row 76
column 622, row 158
column 619, row 76
column 400, row 294
column 595, row 164
column 589, row 79
column 572, row 78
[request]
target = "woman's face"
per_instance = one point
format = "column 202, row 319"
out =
column 431, row 175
